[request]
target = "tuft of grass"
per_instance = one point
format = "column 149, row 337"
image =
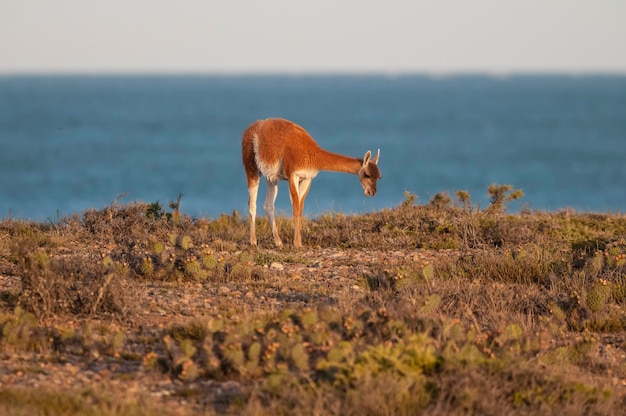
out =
column 24, row 401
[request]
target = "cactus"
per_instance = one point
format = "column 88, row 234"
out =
column 41, row 260
column 454, row 331
column 557, row 312
column 299, row 357
column 209, row 261
column 176, row 354
column 193, row 269
column 428, row 271
column 329, row 315
column 107, row 262
column 189, row 371
column 319, row 334
column 269, row 356
column 186, row 243
column 598, row 295
column 212, row 364
column 254, row 352
column 309, row 318
column 234, row 356
column 187, row 347
column 158, row 248
column 512, row 332
column 431, row 304
column 147, row 267
column 117, row 342
column 353, row 327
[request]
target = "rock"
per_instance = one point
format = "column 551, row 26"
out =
column 277, row 266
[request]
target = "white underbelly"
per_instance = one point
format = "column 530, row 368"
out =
column 273, row 173
column 306, row 173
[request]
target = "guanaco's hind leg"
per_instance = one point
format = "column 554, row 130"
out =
column 298, row 190
column 270, row 198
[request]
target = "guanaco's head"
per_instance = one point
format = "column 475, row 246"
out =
column 369, row 173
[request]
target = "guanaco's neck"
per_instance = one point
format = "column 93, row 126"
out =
column 337, row 163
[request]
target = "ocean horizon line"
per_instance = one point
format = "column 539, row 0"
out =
column 318, row 74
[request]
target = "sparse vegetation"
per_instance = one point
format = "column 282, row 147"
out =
column 441, row 308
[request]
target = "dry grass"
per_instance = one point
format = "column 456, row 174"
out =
column 115, row 402
column 442, row 308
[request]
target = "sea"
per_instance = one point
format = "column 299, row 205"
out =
column 70, row 143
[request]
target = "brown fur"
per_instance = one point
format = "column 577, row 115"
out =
column 281, row 150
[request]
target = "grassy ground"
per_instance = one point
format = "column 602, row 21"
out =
column 441, row 308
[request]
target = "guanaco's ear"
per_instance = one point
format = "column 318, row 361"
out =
column 375, row 160
column 367, row 157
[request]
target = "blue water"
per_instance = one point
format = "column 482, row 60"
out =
column 70, row 143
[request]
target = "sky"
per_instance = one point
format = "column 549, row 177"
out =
column 314, row 36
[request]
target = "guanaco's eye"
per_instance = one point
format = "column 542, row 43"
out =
column 366, row 176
